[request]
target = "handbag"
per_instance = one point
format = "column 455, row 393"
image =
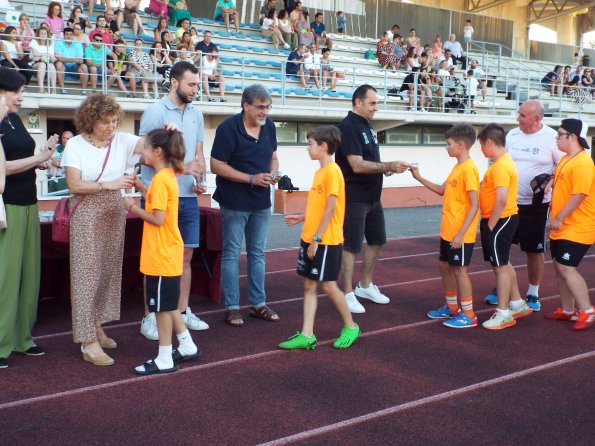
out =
column 2, row 214
column 63, row 214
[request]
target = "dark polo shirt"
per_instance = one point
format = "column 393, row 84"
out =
column 234, row 146
column 359, row 138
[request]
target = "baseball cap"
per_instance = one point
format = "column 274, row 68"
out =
column 577, row 127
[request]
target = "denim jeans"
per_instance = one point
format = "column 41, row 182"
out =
column 254, row 226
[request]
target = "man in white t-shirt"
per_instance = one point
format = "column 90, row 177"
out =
column 534, row 150
column 312, row 65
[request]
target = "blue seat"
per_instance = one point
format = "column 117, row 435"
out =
column 227, row 59
column 333, row 94
column 299, row 92
column 260, row 63
column 345, row 94
column 229, row 73
column 275, row 64
column 276, row 76
column 229, row 88
column 225, row 46
column 222, row 33
column 258, row 50
column 262, row 75
column 274, row 90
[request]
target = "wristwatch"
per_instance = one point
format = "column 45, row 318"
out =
column 317, row 238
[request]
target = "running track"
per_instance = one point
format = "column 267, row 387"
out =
column 408, row 380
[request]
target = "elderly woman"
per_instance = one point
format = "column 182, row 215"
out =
column 12, row 54
column 54, row 19
column 95, row 161
column 384, row 52
column 20, row 257
column 42, row 49
column 25, row 32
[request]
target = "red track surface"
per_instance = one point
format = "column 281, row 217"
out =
column 408, row 380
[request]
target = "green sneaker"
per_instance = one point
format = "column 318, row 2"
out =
column 299, row 340
column 348, row 337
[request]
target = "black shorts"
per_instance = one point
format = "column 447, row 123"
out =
column 568, row 253
column 495, row 244
column 531, row 231
column 363, row 219
column 162, row 292
column 456, row 257
column 324, row 267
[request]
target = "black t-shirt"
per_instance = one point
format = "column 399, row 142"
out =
column 202, row 46
column 234, row 146
column 359, row 138
column 18, row 144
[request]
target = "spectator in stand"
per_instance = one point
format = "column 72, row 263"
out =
column 447, row 57
column 183, row 55
column 184, row 26
column 303, row 29
column 117, row 66
column 111, row 22
column 80, row 36
column 319, row 30
column 211, row 77
column 12, row 54
column 70, row 61
column 166, row 43
column 592, row 76
column 203, row 47
column 294, row 66
column 159, row 7
column 162, row 62
column 397, row 49
column 270, row 28
column 132, row 18
column 393, row 31
column 186, row 42
column 54, row 19
column 287, row 31
column 413, row 41
column 425, row 63
column 437, row 47
column 76, row 17
column 194, row 36
column 341, row 22
column 468, row 33
column 384, row 53
column 566, row 79
column 105, row 33
column 265, row 9
column 552, row 81
column 159, row 29
column 178, row 10
column 480, row 75
column 312, row 65
column 25, row 32
column 456, row 50
column 327, row 69
column 290, row 5
column 411, row 61
column 409, row 86
column 471, row 84
column 42, row 50
column 95, row 58
column 225, row 10
column 142, row 69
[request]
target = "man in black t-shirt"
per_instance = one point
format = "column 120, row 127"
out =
column 204, row 46
column 359, row 160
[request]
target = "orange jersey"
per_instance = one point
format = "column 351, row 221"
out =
column 328, row 181
column 162, row 249
column 502, row 173
column 575, row 175
column 462, row 179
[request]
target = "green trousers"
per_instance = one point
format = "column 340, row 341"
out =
column 20, row 265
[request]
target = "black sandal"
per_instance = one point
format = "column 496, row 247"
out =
column 178, row 357
column 152, row 369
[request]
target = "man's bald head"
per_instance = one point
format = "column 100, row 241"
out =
column 530, row 116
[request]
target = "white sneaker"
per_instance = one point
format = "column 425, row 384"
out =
column 353, row 304
column 193, row 322
column 286, row 46
column 372, row 293
column 148, row 327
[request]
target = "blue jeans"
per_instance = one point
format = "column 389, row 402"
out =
column 236, row 225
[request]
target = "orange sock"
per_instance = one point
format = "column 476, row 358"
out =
column 467, row 306
column 451, row 301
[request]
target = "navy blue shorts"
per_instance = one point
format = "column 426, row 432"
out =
column 456, row 257
column 324, row 267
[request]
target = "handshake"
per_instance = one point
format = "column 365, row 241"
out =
column 398, row 167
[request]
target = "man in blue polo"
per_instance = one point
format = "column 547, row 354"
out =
column 244, row 158
column 294, row 66
column 319, row 30
column 176, row 108
column 70, row 61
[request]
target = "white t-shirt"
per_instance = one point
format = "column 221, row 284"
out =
column 89, row 159
column 468, row 31
column 44, row 51
column 267, row 23
column 533, row 154
column 208, row 67
column 471, row 86
column 312, row 62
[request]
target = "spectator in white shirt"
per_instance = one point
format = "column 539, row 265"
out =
column 211, row 78
column 312, row 65
column 270, row 28
column 456, row 50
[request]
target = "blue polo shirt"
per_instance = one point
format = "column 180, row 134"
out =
column 290, row 67
column 234, row 146
column 75, row 49
column 190, row 121
column 317, row 29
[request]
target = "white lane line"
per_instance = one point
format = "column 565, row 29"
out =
column 427, row 400
column 210, row 365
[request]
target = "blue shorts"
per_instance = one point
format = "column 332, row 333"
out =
column 71, row 70
column 189, row 221
column 219, row 17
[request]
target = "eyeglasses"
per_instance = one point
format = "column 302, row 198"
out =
column 262, row 107
column 98, row 40
column 560, row 134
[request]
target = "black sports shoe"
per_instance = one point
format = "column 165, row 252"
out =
column 3, row 363
column 36, row 350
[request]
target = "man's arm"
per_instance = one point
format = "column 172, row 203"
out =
column 224, row 170
column 361, row 166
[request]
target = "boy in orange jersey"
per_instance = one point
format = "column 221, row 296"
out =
column 322, row 238
column 458, row 228
column 499, row 222
column 572, row 223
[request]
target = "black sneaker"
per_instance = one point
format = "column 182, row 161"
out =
column 36, row 350
column 3, row 363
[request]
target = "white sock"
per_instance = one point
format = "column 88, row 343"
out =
column 187, row 345
column 505, row 313
column 533, row 290
column 164, row 359
column 516, row 304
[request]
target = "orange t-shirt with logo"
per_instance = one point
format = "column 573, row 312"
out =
column 502, row 173
column 162, row 249
column 328, row 181
column 462, row 179
column 575, row 175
